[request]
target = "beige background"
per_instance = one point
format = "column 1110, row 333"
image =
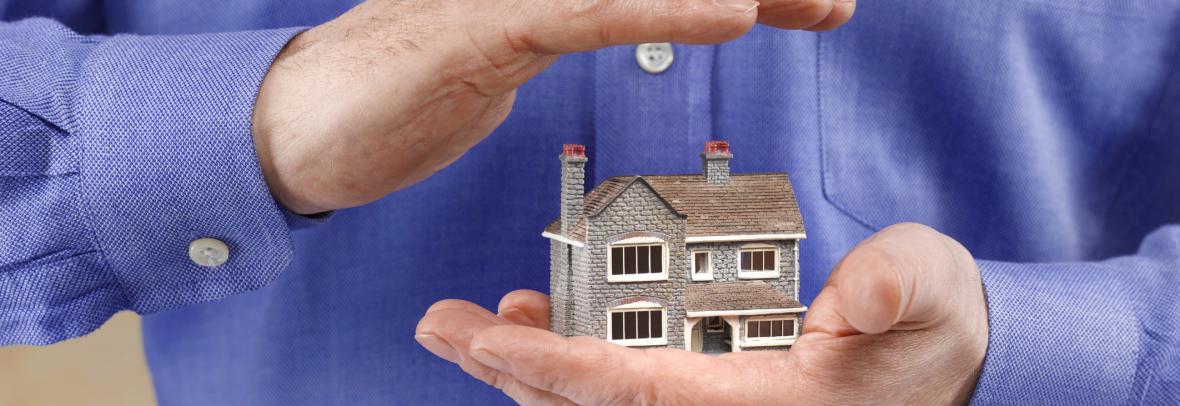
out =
column 106, row 367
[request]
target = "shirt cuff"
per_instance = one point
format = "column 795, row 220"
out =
column 296, row 221
column 1058, row 334
column 168, row 158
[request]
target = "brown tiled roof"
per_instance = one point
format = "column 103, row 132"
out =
column 746, row 295
column 577, row 234
column 758, row 203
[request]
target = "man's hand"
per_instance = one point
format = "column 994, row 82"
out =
column 392, row 91
column 901, row 320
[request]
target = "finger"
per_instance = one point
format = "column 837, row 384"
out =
column 794, row 14
column 448, row 325
column 592, row 371
column 903, row 277
column 566, row 26
column 823, row 317
column 458, row 304
column 426, row 332
column 525, row 307
column 842, row 11
column 446, row 331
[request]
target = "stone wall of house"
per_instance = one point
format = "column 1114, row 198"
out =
column 563, row 258
column 725, row 263
column 636, row 210
column 559, row 304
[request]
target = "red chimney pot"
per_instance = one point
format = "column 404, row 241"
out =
column 574, row 150
column 717, row 147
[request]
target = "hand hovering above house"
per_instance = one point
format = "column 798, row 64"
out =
column 901, row 320
column 391, row 92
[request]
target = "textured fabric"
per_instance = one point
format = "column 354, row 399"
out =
column 118, row 152
column 1043, row 135
column 1111, row 325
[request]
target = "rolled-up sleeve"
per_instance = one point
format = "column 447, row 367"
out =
column 119, row 152
column 1085, row 333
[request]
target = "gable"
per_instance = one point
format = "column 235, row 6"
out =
column 637, row 190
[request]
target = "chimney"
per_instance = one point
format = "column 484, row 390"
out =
column 715, row 162
column 573, row 185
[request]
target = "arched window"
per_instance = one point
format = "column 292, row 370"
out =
column 637, row 259
column 638, row 324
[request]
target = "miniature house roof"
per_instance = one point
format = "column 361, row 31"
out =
column 749, row 204
column 742, row 296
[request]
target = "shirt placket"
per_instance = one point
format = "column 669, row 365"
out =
column 651, row 122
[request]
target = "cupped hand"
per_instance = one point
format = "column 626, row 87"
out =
column 392, row 91
column 901, row 320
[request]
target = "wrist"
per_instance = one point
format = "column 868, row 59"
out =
column 272, row 132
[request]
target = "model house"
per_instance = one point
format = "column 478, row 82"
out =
column 706, row 262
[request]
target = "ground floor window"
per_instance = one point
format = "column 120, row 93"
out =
column 773, row 328
column 645, row 325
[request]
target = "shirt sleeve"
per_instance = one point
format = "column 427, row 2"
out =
column 115, row 154
column 1085, row 333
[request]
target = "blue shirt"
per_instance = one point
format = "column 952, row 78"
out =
column 1043, row 135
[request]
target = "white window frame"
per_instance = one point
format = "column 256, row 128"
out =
column 707, row 276
column 748, row 341
column 638, row 342
column 637, row 242
column 773, row 274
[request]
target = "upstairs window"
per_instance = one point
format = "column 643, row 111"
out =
column 634, row 261
column 758, row 262
column 702, row 266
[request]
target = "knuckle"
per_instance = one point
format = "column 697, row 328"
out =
column 503, row 382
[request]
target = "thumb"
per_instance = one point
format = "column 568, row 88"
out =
column 905, row 277
column 566, row 26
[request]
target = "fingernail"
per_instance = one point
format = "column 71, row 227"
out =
column 741, row 6
column 491, row 360
column 438, row 346
column 517, row 316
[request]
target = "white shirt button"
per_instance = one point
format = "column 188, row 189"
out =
column 208, row 252
column 655, row 57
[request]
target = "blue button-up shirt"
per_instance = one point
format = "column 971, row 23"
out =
column 1043, row 135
